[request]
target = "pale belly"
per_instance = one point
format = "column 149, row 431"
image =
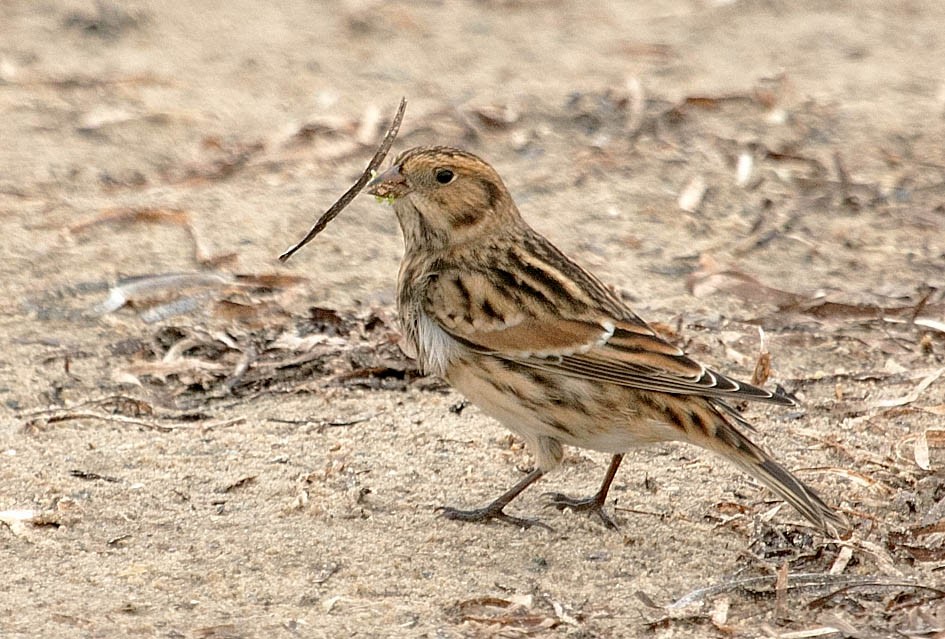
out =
column 574, row 412
column 545, row 409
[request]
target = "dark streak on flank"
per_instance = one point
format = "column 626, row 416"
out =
column 699, row 423
column 534, row 375
column 558, row 400
column 492, row 377
column 489, row 310
column 492, row 380
column 542, row 381
column 677, row 417
column 557, row 425
column 464, row 293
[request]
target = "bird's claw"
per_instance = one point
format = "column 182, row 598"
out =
column 591, row 505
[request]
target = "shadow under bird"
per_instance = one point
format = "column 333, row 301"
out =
column 541, row 345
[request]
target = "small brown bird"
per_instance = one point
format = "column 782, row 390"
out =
column 541, row 345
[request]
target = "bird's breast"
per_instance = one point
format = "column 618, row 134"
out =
column 424, row 340
column 436, row 349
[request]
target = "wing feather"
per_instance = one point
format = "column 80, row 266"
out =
column 582, row 342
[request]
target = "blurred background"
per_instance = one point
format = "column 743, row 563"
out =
column 727, row 165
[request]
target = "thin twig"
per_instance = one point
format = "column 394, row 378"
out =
column 106, row 417
column 65, row 415
column 802, row 580
column 350, row 194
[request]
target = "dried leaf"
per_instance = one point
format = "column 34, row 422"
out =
column 153, row 215
column 497, row 116
column 324, row 348
column 805, row 581
column 502, row 612
column 921, row 451
column 935, row 325
column 842, row 560
column 780, row 588
column 712, row 276
column 147, row 290
column 690, row 199
column 763, row 364
column 16, row 520
column 820, row 631
column 167, row 295
column 854, row 477
column 744, row 168
column 191, row 367
column 908, row 398
column 239, row 483
column 719, row 615
column 935, row 436
column 329, row 604
column 929, row 529
column 127, row 216
column 563, row 615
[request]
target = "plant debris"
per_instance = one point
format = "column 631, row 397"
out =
column 325, row 348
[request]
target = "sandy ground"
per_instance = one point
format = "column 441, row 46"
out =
column 216, row 459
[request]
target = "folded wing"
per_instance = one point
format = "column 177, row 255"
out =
column 603, row 342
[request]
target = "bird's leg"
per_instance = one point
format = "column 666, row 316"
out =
column 595, row 503
column 495, row 510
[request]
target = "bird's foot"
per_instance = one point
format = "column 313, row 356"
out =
column 492, row 512
column 591, row 505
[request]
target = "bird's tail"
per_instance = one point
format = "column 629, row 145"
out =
column 729, row 442
column 795, row 492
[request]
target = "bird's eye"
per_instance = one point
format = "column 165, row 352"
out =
column 444, row 176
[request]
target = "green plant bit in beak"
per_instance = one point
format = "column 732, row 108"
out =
column 382, row 199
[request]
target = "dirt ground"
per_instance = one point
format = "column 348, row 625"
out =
column 231, row 447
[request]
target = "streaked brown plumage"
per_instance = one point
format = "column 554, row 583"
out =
column 543, row 346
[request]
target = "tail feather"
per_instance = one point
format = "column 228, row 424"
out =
column 731, row 444
column 797, row 493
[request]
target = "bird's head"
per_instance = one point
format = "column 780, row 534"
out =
column 444, row 197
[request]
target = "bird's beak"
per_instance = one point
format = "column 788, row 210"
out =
column 389, row 184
